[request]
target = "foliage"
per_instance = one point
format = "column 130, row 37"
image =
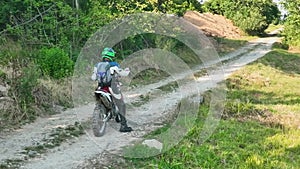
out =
column 44, row 23
column 21, row 91
column 291, row 31
column 179, row 7
column 13, row 56
column 280, row 45
column 55, row 63
column 253, row 17
column 151, row 40
column 68, row 23
column 21, row 75
column 27, row 99
column 26, row 83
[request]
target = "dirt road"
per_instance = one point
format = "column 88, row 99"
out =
column 74, row 152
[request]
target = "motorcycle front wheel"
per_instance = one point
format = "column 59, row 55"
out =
column 98, row 121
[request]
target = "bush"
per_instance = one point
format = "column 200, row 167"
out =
column 253, row 22
column 54, row 62
column 19, row 106
column 26, row 82
column 279, row 45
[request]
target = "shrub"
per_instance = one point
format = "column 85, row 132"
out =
column 26, row 82
column 279, row 45
column 54, row 62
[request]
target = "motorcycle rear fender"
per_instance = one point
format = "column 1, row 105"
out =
column 105, row 94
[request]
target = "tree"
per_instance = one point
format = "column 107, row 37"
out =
column 39, row 23
column 292, row 23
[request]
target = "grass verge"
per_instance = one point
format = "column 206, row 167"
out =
column 225, row 46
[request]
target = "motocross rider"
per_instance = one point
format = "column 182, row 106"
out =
column 108, row 55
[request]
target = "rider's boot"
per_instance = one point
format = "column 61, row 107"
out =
column 124, row 127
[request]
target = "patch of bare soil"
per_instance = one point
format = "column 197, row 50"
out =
column 213, row 25
column 294, row 50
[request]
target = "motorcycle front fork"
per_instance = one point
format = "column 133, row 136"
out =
column 107, row 117
column 113, row 112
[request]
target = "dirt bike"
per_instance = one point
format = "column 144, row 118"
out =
column 106, row 109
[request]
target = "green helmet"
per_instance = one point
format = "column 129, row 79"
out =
column 108, row 53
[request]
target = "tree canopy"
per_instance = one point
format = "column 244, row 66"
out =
column 68, row 23
column 292, row 23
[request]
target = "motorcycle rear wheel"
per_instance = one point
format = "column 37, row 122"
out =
column 98, row 123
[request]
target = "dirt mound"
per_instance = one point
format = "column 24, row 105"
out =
column 213, row 25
